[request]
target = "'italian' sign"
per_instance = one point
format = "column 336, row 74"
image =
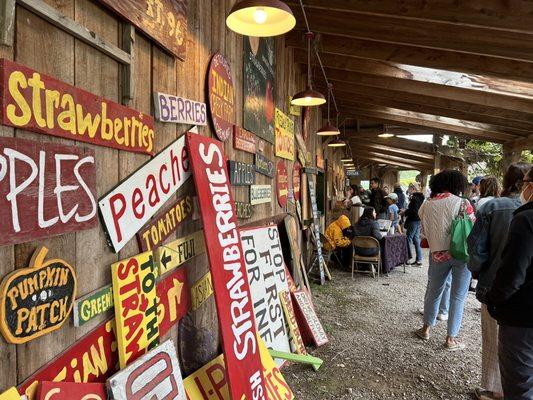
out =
column 134, row 292
column 228, row 270
column 221, row 96
column 284, row 129
column 40, row 103
column 127, row 207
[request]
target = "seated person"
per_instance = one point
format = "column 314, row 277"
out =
column 393, row 212
column 339, row 235
column 367, row 226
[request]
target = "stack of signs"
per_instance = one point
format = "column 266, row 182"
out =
column 308, row 316
column 266, row 275
column 228, row 271
column 156, row 375
column 210, row 381
column 296, row 341
column 134, row 292
column 71, row 391
column 316, row 223
column 37, row 300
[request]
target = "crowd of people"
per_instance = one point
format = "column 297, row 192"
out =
column 493, row 224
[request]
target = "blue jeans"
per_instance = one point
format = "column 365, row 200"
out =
column 445, row 299
column 438, row 275
column 413, row 238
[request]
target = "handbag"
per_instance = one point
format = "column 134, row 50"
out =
column 461, row 227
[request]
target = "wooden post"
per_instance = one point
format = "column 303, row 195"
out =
column 7, row 22
column 128, row 73
column 510, row 155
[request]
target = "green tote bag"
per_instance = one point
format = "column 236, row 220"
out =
column 461, row 227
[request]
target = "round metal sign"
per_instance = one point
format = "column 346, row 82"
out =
column 282, row 183
column 221, row 94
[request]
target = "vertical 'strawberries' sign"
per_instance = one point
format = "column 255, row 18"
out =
column 314, row 327
column 264, row 165
column 228, row 271
column 210, row 381
column 173, row 254
column 165, row 223
column 284, row 128
column 92, row 305
column 39, row 103
column 296, row 180
column 155, row 375
column 243, row 139
column 266, row 275
column 282, row 183
column 221, row 96
column 174, row 299
column 240, row 173
column 91, row 359
column 36, row 300
column 71, row 391
column 296, row 341
column 165, row 21
column 169, row 108
column 46, row 189
column 127, row 207
column 201, row 291
column 260, row 194
column 135, row 298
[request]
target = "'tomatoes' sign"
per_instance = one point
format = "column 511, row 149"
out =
column 232, row 292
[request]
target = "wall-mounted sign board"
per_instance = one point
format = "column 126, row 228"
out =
column 155, row 375
column 244, row 139
column 201, row 291
column 313, row 325
column 127, row 207
column 221, row 96
column 264, row 165
column 175, row 253
column 284, row 128
column 228, row 271
column 10, row 394
column 165, row 21
column 165, row 223
column 266, row 275
column 71, row 391
column 90, row 359
column 282, row 183
column 244, row 210
column 46, row 189
column 36, row 300
column 92, row 305
column 179, row 110
column 296, row 180
column 296, row 341
column 40, row 103
column 210, row 381
column 259, row 81
column 260, row 194
column 174, row 299
column 240, row 173
column 134, row 293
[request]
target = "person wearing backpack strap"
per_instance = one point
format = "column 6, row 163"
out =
column 437, row 216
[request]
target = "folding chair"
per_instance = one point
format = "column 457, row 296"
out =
column 366, row 242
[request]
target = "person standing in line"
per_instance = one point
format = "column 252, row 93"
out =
column 489, row 188
column 437, row 215
column 377, row 198
column 474, row 193
column 510, row 301
column 412, row 226
column 485, row 246
column 393, row 212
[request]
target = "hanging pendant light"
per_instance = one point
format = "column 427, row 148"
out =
column 328, row 129
column 309, row 97
column 338, row 142
column 386, row 134
column 260, row 18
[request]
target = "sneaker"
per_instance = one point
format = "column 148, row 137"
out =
column 418, row 263
column 421, row 310
column 455, row 346
column 442, row 317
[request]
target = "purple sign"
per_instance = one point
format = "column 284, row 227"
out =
column 179, row 110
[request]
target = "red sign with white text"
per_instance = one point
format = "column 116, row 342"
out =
column 71, row 391
column 174, row 299
column 228, row 271
column 282, row 183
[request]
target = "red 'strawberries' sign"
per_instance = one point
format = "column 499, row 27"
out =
column 46, row 189
column 127, row 207
column 232, row 291
column 39, row 103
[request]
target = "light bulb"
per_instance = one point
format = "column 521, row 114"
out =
column 260, row 15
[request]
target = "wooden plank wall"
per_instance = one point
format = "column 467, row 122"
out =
column 47, row 49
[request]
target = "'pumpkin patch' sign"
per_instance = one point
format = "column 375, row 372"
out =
column 36, row 300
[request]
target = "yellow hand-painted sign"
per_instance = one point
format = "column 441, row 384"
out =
column 173, row 254
column 201, row 291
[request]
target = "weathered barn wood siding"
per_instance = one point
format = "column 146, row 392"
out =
column 47, row 49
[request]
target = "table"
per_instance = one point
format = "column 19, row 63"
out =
column 394, row 251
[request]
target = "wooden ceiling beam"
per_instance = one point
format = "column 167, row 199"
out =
column 524, row 144
column 412, row 55
column 380, row 160
column 390, row 150
column 392, row 157
column 513, row 15
column 396, row 142
column 427, row 34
